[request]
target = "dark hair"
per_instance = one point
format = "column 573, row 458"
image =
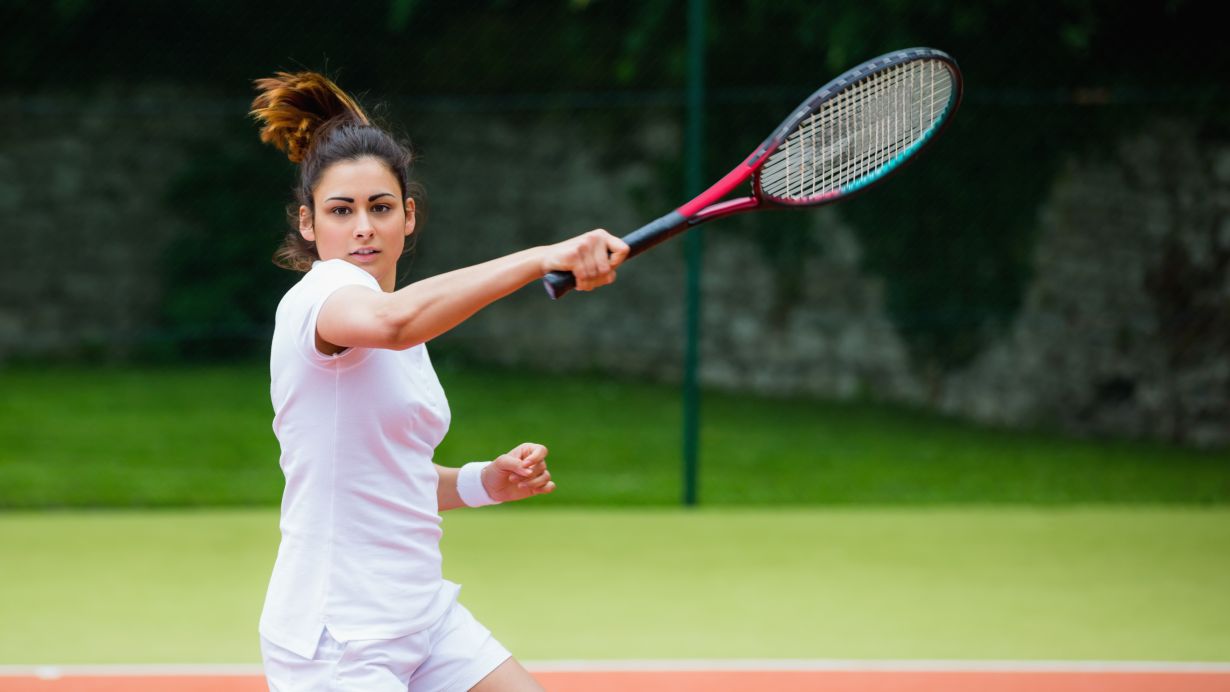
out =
column 317, row 124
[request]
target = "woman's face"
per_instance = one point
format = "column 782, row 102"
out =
column 360, row 218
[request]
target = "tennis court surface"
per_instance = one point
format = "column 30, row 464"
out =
column 696, row 676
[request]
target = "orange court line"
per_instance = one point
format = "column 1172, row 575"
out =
column 709, row 681
column 136, row 683
column 884, row 681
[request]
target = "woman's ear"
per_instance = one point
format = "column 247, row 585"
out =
column 410, row 217
column 305, row 224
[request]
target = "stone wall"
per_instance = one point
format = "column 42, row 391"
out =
column 1125, row 329
column 82, row 195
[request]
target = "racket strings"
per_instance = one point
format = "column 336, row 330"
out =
column 874, row 119
column 860, row 133
column 867, row 123
column 850, row 136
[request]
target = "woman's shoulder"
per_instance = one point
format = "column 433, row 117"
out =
column 329, row 275
column 322, row 280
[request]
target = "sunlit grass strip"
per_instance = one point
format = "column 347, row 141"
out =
column 201, row 437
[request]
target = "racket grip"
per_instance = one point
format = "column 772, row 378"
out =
column 558, row 283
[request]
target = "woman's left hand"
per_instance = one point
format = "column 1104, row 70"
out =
column 519, row 474
column 591, row 257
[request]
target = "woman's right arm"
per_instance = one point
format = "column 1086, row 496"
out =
column 358, row 317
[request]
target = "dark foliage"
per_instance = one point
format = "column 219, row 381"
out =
column 953, row 242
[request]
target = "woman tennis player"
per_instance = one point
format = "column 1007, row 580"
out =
column 357, row 600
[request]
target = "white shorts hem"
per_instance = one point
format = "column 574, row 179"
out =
column 492, row 657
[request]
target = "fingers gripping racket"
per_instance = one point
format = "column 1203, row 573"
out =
column 852, row 133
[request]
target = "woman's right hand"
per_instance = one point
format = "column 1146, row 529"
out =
column 591, row 257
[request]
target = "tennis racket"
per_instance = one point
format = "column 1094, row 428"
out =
column 852, row 133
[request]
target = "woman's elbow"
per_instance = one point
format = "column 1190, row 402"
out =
column 395, row 331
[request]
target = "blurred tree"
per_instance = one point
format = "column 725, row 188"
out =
column 221, row 287
column 532, row 46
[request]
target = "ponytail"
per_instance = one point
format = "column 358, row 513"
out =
column 292, row 107
column 316, row 124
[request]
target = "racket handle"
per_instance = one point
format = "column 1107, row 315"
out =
column 558, row 283
column 640, row 240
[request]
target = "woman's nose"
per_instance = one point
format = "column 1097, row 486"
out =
column 363, row 226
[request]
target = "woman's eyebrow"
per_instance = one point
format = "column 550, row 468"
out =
column 350, row 200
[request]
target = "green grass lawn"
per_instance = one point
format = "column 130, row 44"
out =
column 830, row 530
column 1104, row 583
column 201, row 437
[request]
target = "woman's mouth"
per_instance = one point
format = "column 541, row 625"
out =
column 365, row 253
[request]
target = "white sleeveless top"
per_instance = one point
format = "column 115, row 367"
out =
column 360, row 550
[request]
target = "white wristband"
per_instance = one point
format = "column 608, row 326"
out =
column 470, row 485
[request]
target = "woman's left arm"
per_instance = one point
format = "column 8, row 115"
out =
column 519, row 474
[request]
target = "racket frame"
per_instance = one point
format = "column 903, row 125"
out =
column 709, row 205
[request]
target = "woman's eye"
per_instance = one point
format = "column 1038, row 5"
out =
column 381, row 208
column 340, row 211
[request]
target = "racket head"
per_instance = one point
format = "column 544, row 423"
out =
column 858, row 129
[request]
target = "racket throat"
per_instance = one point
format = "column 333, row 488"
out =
column 718, row 190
